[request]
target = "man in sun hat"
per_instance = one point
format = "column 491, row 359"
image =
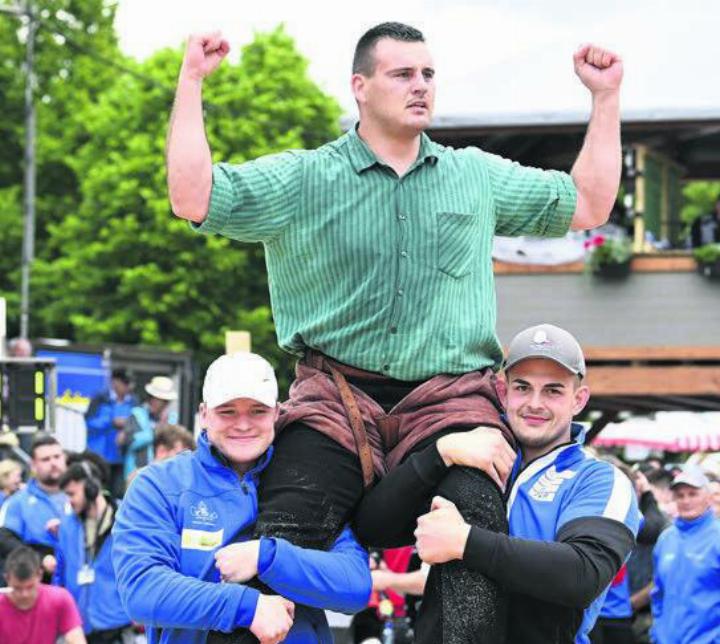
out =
column 685, row 600
column 572, row 517
column 186, row 524
column 137, row 436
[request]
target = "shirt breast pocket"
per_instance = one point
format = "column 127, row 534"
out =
column 457, row 236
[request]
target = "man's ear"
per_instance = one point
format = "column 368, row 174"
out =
column 582, row 395
column 202, row 412
column 358, row 87
column 501, row 387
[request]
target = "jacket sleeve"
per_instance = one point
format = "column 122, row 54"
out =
column 337, row 580
column 571, row 571
column 655, row 521
column 147, row 556
column 99, row 417
column 656, row 594
column 58, row 578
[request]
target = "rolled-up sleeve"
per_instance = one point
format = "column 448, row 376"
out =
column 254, row 201
column 530, row 201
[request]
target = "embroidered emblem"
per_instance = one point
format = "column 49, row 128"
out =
column 201, row 513
column 549, row 483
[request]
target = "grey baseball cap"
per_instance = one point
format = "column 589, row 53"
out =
column 692, row 476
column 550, row 342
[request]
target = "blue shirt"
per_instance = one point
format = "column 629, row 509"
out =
column 27, row 512
column 566, row 484
column 685, row 600
column 101, row 433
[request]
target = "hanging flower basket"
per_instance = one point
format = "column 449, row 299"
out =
column 609, row 258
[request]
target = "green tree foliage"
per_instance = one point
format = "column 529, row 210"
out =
column 72, row 37
column 700, row 198
column 121, row 267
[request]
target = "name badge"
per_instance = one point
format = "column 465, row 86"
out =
column 85, row 576
column 201, row 539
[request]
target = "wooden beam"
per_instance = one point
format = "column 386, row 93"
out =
column 677, row 353
column 654, row 381
column 660, row 262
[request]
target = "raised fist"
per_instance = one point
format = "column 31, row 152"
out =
column 599, row 69
column 203, row 53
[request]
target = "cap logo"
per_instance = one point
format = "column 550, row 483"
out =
column 541, row 341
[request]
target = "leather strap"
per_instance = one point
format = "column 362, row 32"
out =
column 356, row 423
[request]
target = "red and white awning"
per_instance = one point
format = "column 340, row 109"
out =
column 672, row 431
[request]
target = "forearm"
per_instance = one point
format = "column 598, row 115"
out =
column 571, row 572
column 641, row 598
column 387, row 515
column 655, row 520
column 596, row 172
column 409, row 583
column 189, row 163
column 338, row 580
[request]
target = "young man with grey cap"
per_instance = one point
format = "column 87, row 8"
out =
column 185, row 523
column 572, row 517
column 686, row 596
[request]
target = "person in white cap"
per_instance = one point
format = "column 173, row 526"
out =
column 185, row 526
column 136, row 438
column 572, row 517
column 685, row 600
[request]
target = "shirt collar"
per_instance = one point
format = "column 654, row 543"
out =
column 362, row 157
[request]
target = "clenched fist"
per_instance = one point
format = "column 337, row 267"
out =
column 203, row 53
column 273, row 619
column 600, row 70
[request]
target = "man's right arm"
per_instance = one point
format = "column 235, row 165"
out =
column 146, row 558
column 189, row 164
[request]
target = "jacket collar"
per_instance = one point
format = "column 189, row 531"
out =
column 706, row 518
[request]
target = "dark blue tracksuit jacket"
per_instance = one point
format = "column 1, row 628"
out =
column 173, row 519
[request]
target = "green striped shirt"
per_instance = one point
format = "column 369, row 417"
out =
column 392, row 275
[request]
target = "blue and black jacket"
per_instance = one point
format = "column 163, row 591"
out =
column 176, row 515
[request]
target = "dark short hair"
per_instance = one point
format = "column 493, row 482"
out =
column 41, row 439
column 660, row 478
column 22, row 563
column 121, row 374
column 168, row 435
column 101, row 467
column 363, row 60
column 80, row 471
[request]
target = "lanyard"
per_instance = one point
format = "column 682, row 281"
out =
column 89, row 555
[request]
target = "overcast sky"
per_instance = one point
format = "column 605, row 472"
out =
column 514, row 56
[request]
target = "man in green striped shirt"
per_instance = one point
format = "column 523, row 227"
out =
column 378, row 248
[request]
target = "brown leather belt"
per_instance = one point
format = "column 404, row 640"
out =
column 339, row 371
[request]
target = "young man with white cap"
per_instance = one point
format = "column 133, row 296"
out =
column 686, row 596
column 184, row 524
column 572, row 517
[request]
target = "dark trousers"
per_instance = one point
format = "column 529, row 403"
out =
column 310, row 490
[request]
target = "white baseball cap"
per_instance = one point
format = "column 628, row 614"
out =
column 240, row 375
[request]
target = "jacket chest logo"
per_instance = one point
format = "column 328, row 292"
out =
column 202, row 514
column 547, row 486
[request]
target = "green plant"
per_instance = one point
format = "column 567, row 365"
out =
column 707, row 254
column 605, row 251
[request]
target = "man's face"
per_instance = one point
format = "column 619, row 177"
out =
column 23, row 594
column 13, row 481
column 400, row 95
column 242, row 429
column 691, row 501
column 541, row 399
column 120, row 387
column 75, row 491
column 156, row 405
column 48, row 463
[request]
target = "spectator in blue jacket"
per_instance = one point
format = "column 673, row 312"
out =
column 105, row 419
column 138, row 435
column 686, row 597
column 184, row 524
column 84, row 555
column 32, row 516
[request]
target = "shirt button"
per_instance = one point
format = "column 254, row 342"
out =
column 393, row 329
column 402, row 217
column 400, row 292
column 403, row 253
column 386, row 367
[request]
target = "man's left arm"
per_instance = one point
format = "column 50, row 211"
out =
column 595, row 535
column 337, row 580
column 596, row 172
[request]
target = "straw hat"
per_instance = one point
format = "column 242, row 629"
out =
column 161, row 387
